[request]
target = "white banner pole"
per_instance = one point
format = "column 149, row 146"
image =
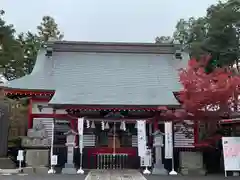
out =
column 80, row 132
column 51, row 170
column 171, row 126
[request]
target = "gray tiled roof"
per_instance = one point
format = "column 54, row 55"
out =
column 105, row 74
column 114, row 79
column 39, row 79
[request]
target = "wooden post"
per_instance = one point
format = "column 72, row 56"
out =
column 4, row 123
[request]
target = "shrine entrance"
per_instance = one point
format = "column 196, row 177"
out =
column 112, row 142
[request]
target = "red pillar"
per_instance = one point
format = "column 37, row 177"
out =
column 77, row 136
column 73, row 125
column 155, row 123
column 30, row 118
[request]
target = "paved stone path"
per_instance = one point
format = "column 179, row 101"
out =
column 115, row 175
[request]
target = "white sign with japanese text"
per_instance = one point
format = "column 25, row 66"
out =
column 54, row 160
column 80, row 126
column 141, row 130
column 168, row 140
column 146, row 161
column 231, row 153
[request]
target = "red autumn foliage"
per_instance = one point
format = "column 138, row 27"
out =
column 202, row 90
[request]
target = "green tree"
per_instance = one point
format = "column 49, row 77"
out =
column 49, row 29
column 11, row 55
column 223, row 38
column 31, row 43
column 163, row 39
column 191, row 34
column 217, row 33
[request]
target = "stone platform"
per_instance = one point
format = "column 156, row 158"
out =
column 6, row 163
column 115, row 175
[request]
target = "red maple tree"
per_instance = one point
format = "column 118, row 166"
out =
column 213, row 95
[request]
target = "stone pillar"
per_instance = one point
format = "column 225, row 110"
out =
column 69, row 165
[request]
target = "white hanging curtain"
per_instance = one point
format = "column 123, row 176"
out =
column 124, row 126
column 102, row 125
column 88, row 123
column 121, row 126
column 135, row 125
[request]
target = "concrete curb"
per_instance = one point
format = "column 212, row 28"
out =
column 9, row 171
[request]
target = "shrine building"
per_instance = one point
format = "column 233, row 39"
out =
column 107, row 84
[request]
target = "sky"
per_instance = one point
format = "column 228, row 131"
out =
column 105, row 20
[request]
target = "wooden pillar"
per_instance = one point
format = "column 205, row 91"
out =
column 30, row 117
column 4, row 126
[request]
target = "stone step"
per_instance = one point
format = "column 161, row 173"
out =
column 9, row 171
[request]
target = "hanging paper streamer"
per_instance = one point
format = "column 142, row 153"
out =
column 102, row 125
column 121, row 126
column 124, row 126
column 93, row 125
column 135, row 125
column 106, row 125
column 88, row 123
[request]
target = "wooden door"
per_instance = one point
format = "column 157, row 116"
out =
column 111, row 142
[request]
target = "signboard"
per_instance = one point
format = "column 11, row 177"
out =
column 231, row 153
column 54, row 160
column 168, row 140
column 180, row 138
column 20, row 156
column 80, row 126
column 141, row 130
column 146, row 161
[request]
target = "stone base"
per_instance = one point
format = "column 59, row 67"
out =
column 186, row 171
column 28, row 170
column 9, row 171
column 7, row 163
column 41, row 170
column 69, row 169
column 37, row 157
column 37, row 170
column 159, row 169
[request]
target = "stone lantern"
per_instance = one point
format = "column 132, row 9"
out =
column 158, row 144
column 69, row 165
